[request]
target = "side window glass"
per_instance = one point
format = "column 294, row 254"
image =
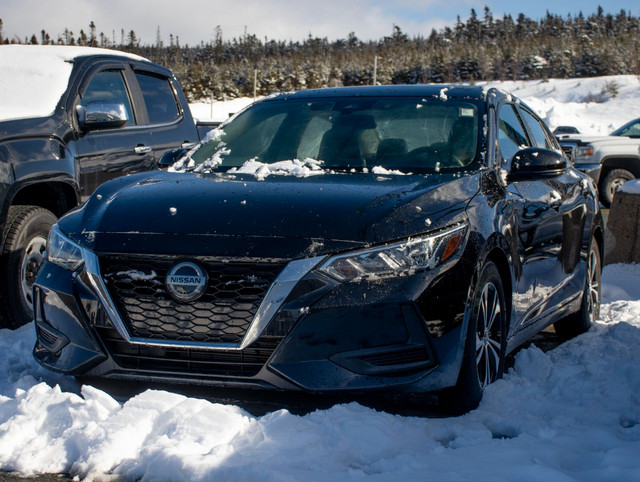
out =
column 159, row 98
column 108, row 86
column 539, row 134
column 511, row 134
column 632, row 131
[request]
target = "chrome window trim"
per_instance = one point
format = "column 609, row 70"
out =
column 292, row 273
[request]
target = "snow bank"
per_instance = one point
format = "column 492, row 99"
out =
column 596, row 105
column 572, row 413
column 35, row 77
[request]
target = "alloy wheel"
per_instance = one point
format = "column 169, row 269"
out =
column 489, row 335
column 33, row 257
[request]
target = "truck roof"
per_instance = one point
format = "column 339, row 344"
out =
column 34, row 77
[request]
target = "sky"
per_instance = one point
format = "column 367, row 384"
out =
column 195, row 21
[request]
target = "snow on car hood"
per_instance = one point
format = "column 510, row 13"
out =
column 35, row 77
column 280, row 216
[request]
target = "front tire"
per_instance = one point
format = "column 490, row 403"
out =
column 580, row 322
column 25, row 240
column 611, row 183
column 485, row 344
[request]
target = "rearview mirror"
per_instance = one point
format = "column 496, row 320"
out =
column 534, row 161
column 102, row 115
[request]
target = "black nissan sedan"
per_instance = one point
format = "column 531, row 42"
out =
column 381, row 240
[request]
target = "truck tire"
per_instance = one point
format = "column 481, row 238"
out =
column 25, row 240
column 611, row 183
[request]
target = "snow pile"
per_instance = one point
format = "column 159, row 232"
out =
column 569, row 414
column 35, row 77
column 596, row 105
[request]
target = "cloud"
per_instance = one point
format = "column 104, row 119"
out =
column 196, row 20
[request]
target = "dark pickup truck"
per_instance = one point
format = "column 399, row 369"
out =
column 70, row 119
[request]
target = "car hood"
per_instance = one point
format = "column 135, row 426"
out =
column 278, row 217
column 599, row 139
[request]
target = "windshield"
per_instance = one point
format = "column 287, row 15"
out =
column 396, row 133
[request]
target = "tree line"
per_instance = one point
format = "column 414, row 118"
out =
column 478, row 48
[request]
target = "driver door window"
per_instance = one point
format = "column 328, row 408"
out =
column 109, row 86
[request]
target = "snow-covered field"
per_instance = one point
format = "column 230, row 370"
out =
column 572, row 413
column 596, row 106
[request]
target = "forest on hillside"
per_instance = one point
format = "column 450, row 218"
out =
column 478, row 48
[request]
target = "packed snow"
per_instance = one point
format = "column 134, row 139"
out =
column 570, row 413
column 596, row 105
column 35, row 77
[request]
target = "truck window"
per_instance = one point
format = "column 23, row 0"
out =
column 108, row 86
column 159, row 98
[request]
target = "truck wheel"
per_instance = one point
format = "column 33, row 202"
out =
column 25, row 240
column 611, row 183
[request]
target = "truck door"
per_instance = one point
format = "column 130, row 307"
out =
column 170, row 126
column 107, row 153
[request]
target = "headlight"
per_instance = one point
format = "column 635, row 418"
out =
column 398, row 259
column 62, row 251
column 584, row 151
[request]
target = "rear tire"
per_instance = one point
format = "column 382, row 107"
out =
column 485, row 345
column 25, row 240
column 580, row 322
column 611, row 183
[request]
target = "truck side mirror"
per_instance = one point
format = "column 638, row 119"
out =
column 102, row 115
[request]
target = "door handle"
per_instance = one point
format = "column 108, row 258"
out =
column 142, row 149
column 188, row 145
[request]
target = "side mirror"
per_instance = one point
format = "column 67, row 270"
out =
column 534, row 161
column 102, row 115
column 169, row 158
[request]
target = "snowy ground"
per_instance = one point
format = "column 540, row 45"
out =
column 596, row 106
column 572, row 413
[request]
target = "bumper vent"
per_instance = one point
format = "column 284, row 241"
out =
column 188, row 361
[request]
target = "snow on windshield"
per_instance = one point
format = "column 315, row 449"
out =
column 35, row 77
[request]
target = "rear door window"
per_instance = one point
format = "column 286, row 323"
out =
column 161, row 102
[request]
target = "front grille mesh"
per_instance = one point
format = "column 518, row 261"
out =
column 222, row 315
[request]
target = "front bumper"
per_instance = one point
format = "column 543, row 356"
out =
column 310, row 333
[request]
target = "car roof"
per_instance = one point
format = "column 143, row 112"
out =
column 444, row 91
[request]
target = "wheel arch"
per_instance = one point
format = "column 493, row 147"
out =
column 56, row 196
column 628, row 163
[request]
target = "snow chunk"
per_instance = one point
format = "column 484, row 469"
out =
column 533, row 364
column 295, row 167
column 382, row 170
column 136, row 275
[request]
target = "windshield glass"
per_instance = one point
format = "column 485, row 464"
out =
column 396, row 133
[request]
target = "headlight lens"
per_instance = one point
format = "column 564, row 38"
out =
column 398, row 259
column 62, row 251
column 584, row 151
